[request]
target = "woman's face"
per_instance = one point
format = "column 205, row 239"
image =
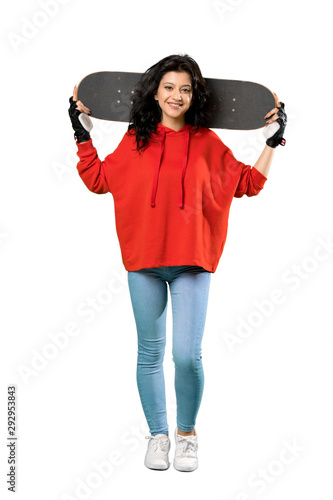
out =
column 174, row 96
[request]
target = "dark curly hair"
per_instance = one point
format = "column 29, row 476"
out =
column 145, row 114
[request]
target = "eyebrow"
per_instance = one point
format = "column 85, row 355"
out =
column 186, row 84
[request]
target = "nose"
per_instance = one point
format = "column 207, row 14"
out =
column 177, row 95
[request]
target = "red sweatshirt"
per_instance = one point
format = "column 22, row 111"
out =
column 172, row 201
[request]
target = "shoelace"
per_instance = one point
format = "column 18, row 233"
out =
column 186, row 447
column 157, row 442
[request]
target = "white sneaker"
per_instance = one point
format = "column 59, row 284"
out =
column 186, row 459
column 157, row 453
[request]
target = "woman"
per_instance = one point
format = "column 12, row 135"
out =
column 173, row 181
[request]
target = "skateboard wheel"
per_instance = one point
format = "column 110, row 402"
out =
column 271, row 129
column 86, row 122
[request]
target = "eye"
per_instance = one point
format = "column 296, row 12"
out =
column 167, row 87
column 187, row 90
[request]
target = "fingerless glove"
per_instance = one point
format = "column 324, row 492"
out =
column 80, row 133
column 277, row 137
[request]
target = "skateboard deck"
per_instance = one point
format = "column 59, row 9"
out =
column 237, row 104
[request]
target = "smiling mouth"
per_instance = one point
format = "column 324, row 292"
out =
column 174, row 105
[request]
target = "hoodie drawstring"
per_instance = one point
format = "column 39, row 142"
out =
column 185, row 158
column 157, row 171
column 158, row 166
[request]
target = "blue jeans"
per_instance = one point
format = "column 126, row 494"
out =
column 189, row 289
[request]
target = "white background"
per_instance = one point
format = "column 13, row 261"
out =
column 265, row 393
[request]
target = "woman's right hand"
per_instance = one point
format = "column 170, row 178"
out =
column 76, row 107
column 79, row 105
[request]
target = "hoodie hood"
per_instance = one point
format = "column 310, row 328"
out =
column 161, row 133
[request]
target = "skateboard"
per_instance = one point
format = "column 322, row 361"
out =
column 237, row 104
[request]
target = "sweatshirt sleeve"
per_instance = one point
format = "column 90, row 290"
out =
column 250, row 180
column 250, row 183
column 91, row 169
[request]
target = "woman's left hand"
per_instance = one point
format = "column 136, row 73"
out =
column 273, row 114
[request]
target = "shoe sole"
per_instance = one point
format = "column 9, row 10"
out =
column 153, row 467
column 184, row 468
